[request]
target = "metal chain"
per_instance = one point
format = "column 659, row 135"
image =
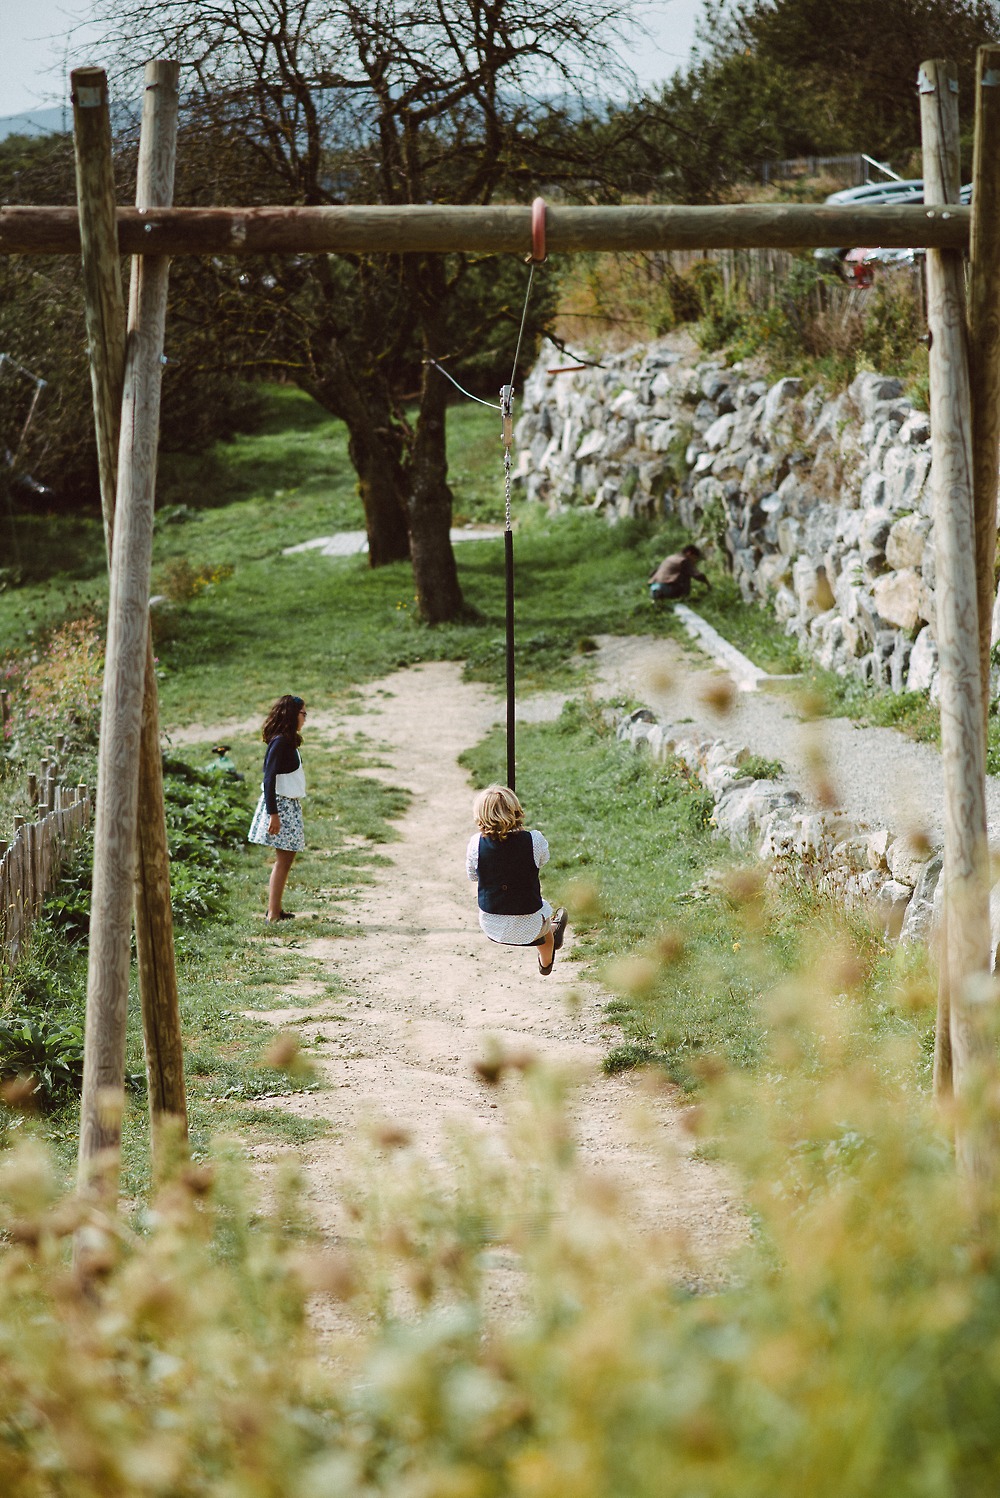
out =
column 506, row 489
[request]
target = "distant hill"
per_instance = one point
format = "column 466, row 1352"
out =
column 37, row 122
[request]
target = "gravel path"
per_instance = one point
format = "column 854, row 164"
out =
column 879, row 776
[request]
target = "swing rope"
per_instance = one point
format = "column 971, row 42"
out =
column 537, row 257
column 506, row 409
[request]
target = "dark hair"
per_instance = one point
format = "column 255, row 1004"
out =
column 283, row 718
column 693, row 551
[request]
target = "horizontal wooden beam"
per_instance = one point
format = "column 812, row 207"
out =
column 319, row 231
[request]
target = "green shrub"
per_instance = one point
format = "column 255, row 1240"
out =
column 49, row 1051
column 760, row 768
column 181, row 581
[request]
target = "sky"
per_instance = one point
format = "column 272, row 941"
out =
column 41, row 40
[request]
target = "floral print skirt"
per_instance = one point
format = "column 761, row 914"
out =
column 291, row 838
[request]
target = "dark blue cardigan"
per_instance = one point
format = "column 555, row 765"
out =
column 281, row 758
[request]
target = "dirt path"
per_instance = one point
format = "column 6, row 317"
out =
column 425, row 992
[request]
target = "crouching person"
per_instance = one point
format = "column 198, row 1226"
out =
column 672, row 578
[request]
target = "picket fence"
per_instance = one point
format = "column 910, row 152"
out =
column 30, row 862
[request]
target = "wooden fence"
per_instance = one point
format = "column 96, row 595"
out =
column 31, row 861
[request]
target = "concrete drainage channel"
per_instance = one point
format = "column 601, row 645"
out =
column 746, row 676
column 355, row 543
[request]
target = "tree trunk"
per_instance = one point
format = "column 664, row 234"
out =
column 381, row 485
column 435, row 576
column 376, row 452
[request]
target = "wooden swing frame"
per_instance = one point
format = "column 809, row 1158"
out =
column 130, row 858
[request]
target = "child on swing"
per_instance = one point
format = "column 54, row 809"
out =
column 504, row 859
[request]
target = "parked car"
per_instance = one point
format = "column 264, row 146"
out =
column 857, row 266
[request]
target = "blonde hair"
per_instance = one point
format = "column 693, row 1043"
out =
column 498, row 812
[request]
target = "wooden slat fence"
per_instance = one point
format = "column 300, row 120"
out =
column 31, row 861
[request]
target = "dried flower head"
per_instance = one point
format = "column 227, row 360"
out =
column 719, row 694
column 391, row 1136
column 283, row 1051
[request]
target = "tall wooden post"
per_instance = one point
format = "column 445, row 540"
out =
column 984, row 342
column 103, row 301
column 125, row 668
column 105, row 310
column 966, row 892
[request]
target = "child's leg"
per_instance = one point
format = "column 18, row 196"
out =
column 283, row 861
column 550, row 941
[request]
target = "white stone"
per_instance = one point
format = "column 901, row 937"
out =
column 878, row 848
column 662, row 436
column 890, row 905
column 907, row 541
column 741, row 810
column 905, row 470
column 719, row 433
column 923, row 662
column 909, row 857
column 898, row 598
column 772, row 570
column 872, row 490
column 778, row 396
column 867, row 389
column 591, row 444
column 915, row 429
column 786, row 605
column 789, row 536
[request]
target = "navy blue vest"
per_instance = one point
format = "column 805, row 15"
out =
column 508, row 876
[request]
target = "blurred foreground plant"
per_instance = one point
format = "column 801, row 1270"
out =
column 510, row 1330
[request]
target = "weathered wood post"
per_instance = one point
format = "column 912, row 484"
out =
column 104, row 303
column 984, row 342
column 124, row 676
column 105, row 311
column 965, row 956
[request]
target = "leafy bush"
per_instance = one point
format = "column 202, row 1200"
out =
column 41, row 1033
column 49, row 1051
column 181, row 581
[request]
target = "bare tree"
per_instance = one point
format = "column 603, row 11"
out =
column 378, row 101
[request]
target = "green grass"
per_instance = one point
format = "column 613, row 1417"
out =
column 231, row 966
column 751, row 627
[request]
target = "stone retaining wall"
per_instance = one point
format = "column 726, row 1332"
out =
column 895, row 877
column 822, row 505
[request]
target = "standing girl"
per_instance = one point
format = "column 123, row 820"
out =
column 277, row 822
